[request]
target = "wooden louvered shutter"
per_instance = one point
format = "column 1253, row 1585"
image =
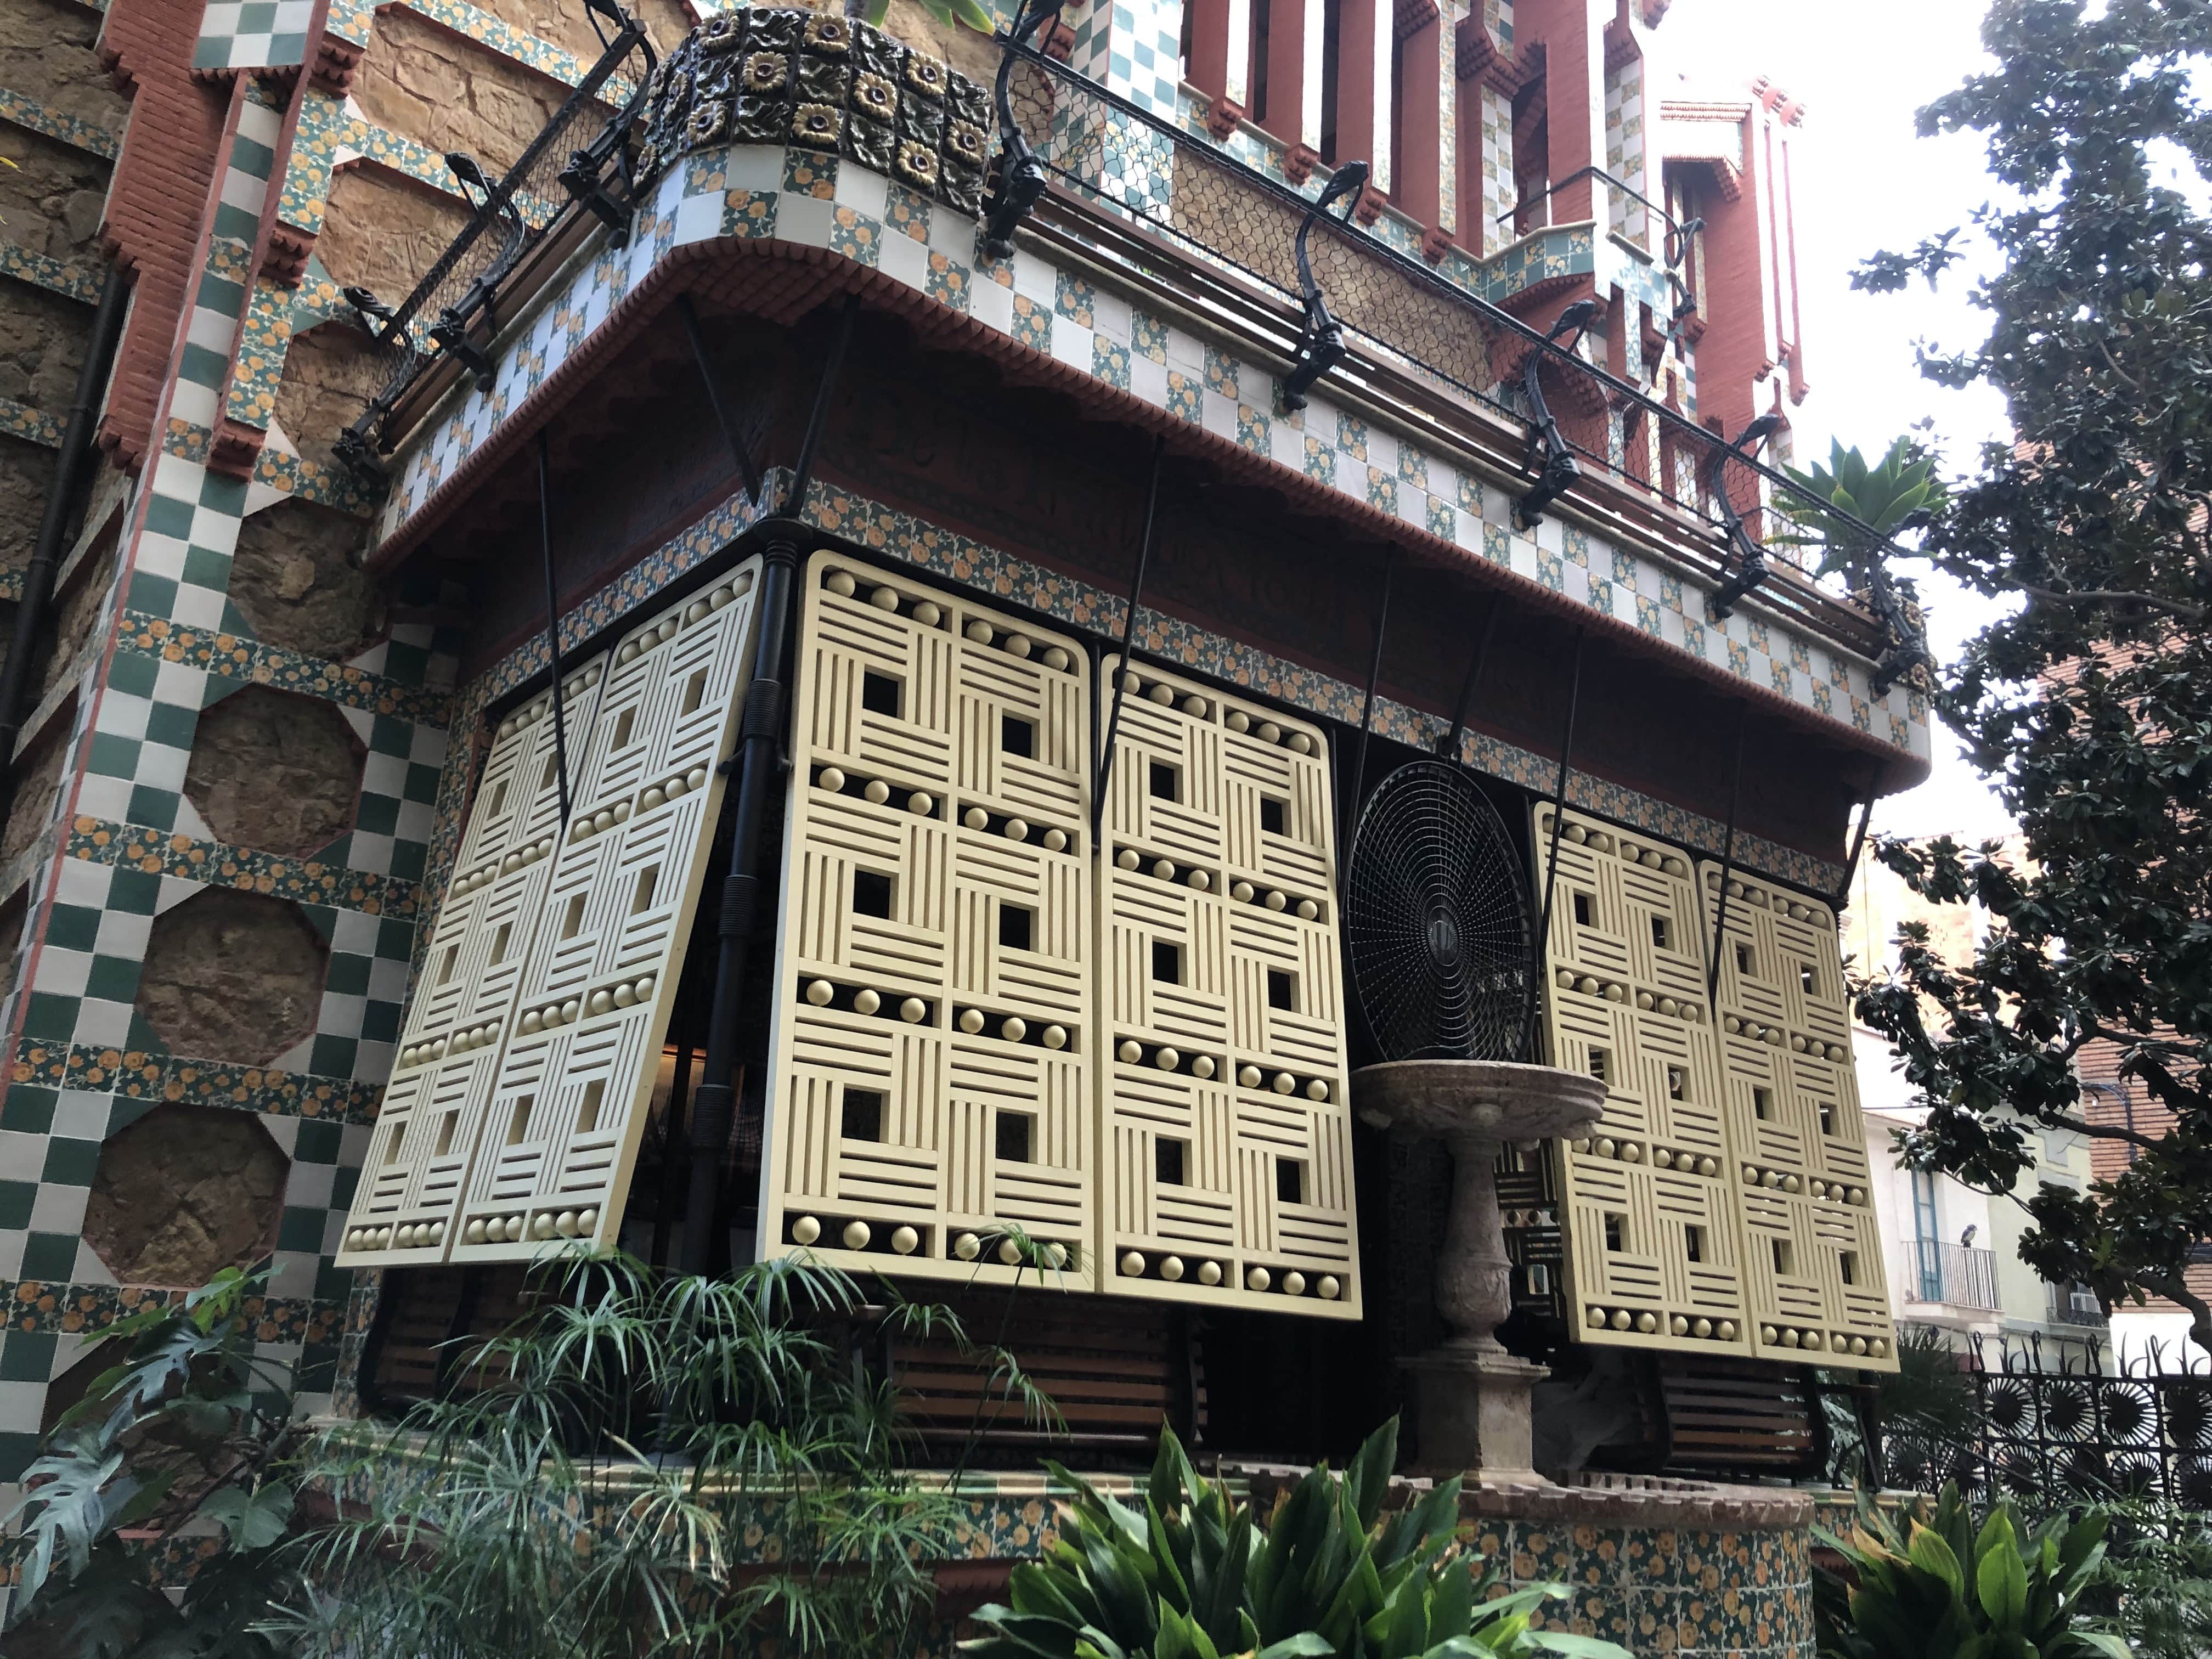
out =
column 1812, row 1250
column 514, row 1118
column 1226, row 1153
column 931, row 1090
column 1674, row 1239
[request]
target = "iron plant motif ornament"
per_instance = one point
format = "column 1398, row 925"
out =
column 777, row 75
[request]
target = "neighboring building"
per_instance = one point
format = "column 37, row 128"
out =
column 345, row 931
column 1953, row 1252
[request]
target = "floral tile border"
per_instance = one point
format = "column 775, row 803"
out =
column 21, row 109
column 140, row 1074
column 73, row 279
column 236, row 657
column 247, row 870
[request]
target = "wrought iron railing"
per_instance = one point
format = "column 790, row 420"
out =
column 2054, row 1428
column 581, row 163
column 1961, row 1275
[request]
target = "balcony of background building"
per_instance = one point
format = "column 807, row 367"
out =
column 2078, row 1305
column 1957, row 1276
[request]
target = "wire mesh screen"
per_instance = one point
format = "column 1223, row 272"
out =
column 1436, row 920
column 2048, row 1437
column 513, row 214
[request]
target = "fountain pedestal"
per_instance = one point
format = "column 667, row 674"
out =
column 1471, row 1395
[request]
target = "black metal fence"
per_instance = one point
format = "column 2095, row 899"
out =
column 2053, row 1430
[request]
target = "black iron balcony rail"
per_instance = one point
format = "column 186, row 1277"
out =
column 580, row 168
column 1134, row 164
column 586, row 170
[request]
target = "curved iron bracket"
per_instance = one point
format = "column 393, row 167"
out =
column 453, row 329
column 1903, row 640
column 1549, row 455
column 1320, row 338
column 1750, row 557
column 586, row 178
column 1021, row 174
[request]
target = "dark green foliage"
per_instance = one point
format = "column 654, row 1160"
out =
column 1193, row 1575
column 1939, row 1587
column 188, row 1426
column 2092, row 527
column 2154, row 1588
column 596, row 1503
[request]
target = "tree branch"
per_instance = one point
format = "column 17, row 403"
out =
column 2194, row 613
column 2058, row 1120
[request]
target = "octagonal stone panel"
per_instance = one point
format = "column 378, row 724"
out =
column 294, row 580
column 275, row 770
column 233, row 977
column 184, row 1192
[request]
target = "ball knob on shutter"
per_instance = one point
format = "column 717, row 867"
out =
column 1597, row 1318
column 1163, row 870
column 866, row 1002
column 1013, row 1029
column 1242, row 892
column 1171, row 1268
column 979, row 632
column 1056, row 1255
column 839, row 582
column 1055, row 841
column 1701, row 1328
column 1238, row 720
column 1130, row 1052
column 928, row 614
column 1284, row 1083
column 1294, row 1284
column 1622, row 1319
column 819, row 992
column 1055, row 1037
column 1167, row 1060
column 1258, row 1278
column 1126, row 859
column 974, row 818
column 883, row 598
column 966, row 1246
column 1202, row 1067
column 971, row 1020
column 913, row 1010
column 1329, row 1288
column 542, row 1227
column 1010, row 1252
column 565, row 1224
column 920, row 804
column 806, row 1230
column 856, row 1234
column 1248, row 1077
column 1209, row 1273
column 1726, row 1330
column 474, row 1233
column 1017, row 830
column 1133, row 1264
column 1056, row 658
column 1647, row 1323
column 1017, row 645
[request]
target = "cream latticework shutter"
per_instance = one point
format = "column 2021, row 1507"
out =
column 1652, row 1253
column 462, row 1009
column 1812, row 1253
column 513, row 1119
column 1676, row 1238
column 931, row 1095
column 1227, row 1147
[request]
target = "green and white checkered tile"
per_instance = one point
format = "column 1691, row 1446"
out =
column 250, row 34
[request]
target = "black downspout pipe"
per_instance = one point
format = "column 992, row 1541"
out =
column 31, row 614
column 1552, row 858
column 760, row 760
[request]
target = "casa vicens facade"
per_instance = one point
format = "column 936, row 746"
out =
column 729, row 632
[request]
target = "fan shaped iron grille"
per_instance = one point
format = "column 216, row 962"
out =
column 1436, row 920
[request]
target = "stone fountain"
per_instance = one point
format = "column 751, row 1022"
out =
column 1472, row 1397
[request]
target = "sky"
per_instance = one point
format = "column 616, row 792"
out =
column 1864, row 181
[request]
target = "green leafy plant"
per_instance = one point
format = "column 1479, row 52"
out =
column 189, row 1427
column 1940, row 1588
column 2153, row 1589
column 951, row 13
column 1887, row 495
column 1192, row 1575
column 640, row 1431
